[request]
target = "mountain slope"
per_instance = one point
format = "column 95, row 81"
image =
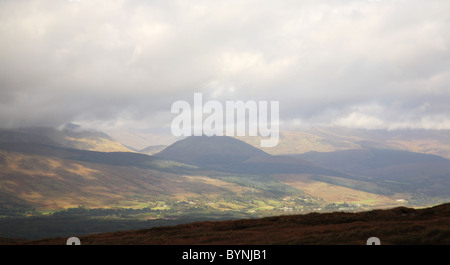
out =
column 49, row 177
column 71, row 136
column 393, row 173
column 436, row 142
column 298, row 142
column 153, row 149
column 330, row 139
column 398, row 171
column 232, row 155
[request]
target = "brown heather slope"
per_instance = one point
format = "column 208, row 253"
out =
column 393, row 226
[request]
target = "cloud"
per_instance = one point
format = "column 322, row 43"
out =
column 359, row 120
column 110, row 63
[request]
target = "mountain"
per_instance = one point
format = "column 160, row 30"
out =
column 50, row 174
column 298, row 142
column 71, row 136
column 330, row 139
column 228, row 154
column 210, row 150
column 121, row 189
column 152, row 149
column 47, row 177
column 396, row 226
column 435, row 142
column 368, row 175
column 395, row 170
column 38, row 169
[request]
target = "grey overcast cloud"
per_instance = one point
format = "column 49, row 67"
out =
column 118, row 66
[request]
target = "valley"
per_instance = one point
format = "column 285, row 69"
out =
column 48, row 188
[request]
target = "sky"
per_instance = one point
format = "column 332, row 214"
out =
column 118, row 66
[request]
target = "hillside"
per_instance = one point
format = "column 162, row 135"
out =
column 397, row 226
column 331, row 139
column 395, row 170
column 228, row 154
column 71, row 136
column 52, row 178
column 400, row 175
column 153, row 149
column 299, row 142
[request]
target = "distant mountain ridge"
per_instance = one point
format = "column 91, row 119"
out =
column 228, row 154
column 71, row 136
column 396, row 170
column 330, row 139
column 369, row 169
column 153, row 149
